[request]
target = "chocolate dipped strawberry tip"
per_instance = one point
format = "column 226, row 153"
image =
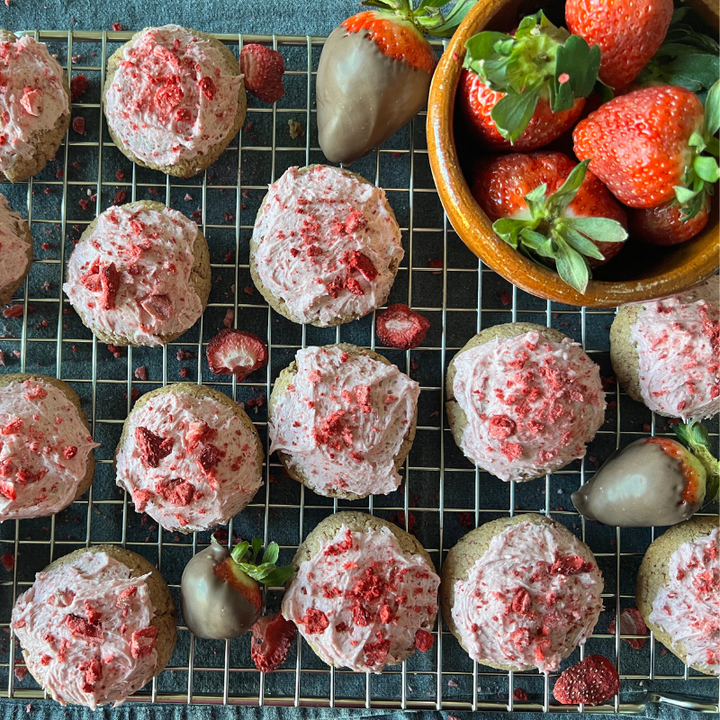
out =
column 235, row 352
column 400, row 327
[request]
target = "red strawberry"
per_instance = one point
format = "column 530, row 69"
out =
column 375, row 71
column 524, row 90
column 665, row 224
column 263, row 69
column 646, row 146
column 399, row 327
column 272, row 637
column 551, row 209
column 233, row 352
column 629, row 33
column 592, row 681
column 631, row 623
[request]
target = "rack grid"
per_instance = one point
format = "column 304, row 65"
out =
column 442, row 496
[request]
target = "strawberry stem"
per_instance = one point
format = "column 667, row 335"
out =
column 694, row 436
column 427, row 17
column 264, row 570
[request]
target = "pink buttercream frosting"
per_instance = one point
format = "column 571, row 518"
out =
column 326, row 242
column 531, row 404
column 150, row 255
column 13, row 247
column 85, row 631
column 530, row 599
column 678, row 342
column 688, row 607
column 171, row 98
column 205, row 472
column 32, row 97
column 44, row 449
column 361, row 601
column 343, row 419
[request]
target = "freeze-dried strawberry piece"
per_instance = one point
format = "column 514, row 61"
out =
column 110, row 283
column 423, row 640
column 631, row 623
column 315, row 621
column 570, row 565
column 363, row 264
column 143, row 642
column 263, row 69
column 272, row 637
column 210, row 457
column 80, row 626
column 78, row 87
column 177, row 492
column 159, row 306
column 376, row 653
column 91, row 279
column 400, row 327
column 152, row 447
column 234, row 352
column 592, row 681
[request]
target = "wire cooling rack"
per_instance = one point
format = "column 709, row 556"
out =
column 442, row 497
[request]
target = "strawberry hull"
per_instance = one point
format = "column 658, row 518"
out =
column 363, row 96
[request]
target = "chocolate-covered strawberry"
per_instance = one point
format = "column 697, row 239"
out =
column 653, row 481
column 375, row 71
column 219, row 592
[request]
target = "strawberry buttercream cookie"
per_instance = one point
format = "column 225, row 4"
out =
column 342, row 420
column 523, row 400
column 96, row 626
column 521, row 593
column 16, row 251
column 678, row 592
column 46, row 458
column 34, row 106
column 174, row 99
column 666, row 353
column 190, row 457
column 140, row 275
column 365, row 593
column 326, row 246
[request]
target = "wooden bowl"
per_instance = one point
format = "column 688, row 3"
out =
column 639, row 272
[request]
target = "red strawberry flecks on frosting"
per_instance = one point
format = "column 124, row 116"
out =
column 152, row 447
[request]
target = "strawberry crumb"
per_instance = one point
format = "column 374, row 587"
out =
column 117, row 27
column 519, row 694
column 8, row 561
column 78, row 125
column 78, row 87
column 141, row 373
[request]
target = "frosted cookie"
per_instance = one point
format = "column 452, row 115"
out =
column 521, row 593
column 46, row 458
column 189, row 457
column 326, row 246
column 666, row 353
column 16, row 251
column 365, row 593
column 96, row 626
column 174, row 99
column 678, row 592
column 523, row 400
column 342, row 420
column 140, row 275
column 34, row 106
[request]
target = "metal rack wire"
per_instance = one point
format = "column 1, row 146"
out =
column 442, row 496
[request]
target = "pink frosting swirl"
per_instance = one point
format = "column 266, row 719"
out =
column 171, row 98
column 206, row 471
column 343, row 419
column 531, row 404
column 32, row 97
column 361, row 601
column 530, row 599
column 678, row 342
column 85, row 631
column 13, row 248
column 326, row 242
column 44, row 449
column 688, row 607
column 150, row 255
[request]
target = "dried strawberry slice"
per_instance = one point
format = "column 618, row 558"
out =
column 210, row 457
column 159, row 306
column 363, row 264
column 263, row 69
column 234, row 352
column 631, row 623
column 272, row 637
column 592, row 681
column 400, row 327
column 153, row 448
column 110, row 283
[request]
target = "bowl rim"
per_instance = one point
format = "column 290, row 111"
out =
column 474, row 227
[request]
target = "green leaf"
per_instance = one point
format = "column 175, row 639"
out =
column 257, row 543
column 712, row 111
column 529, row 23
column 580, row 243
column 509, row 229
column 684, row 195
column 598, row 228
column 512, row 113
column 571, row 266
column 452, row 19
column 581, row 63
column 482, row 46
column 534, row 241
column 565, row 194
column 272, row 551
column 279, row 576
column 239, row 551
column 698, row 68
column 535, row 200
column 706, row 168
column 430, row 3
column 694, row 436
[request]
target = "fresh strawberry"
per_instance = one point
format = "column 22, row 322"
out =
column 375, row 71
column 665, row 224
column 592, row 681
column 400, row 327
column 524, row 90
column 631, row 623
column 263, row 69
column 646, row 146
column 233, row 352
column 629, row 33
column 552, row 210
column 219, row 591
column 272, row 637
